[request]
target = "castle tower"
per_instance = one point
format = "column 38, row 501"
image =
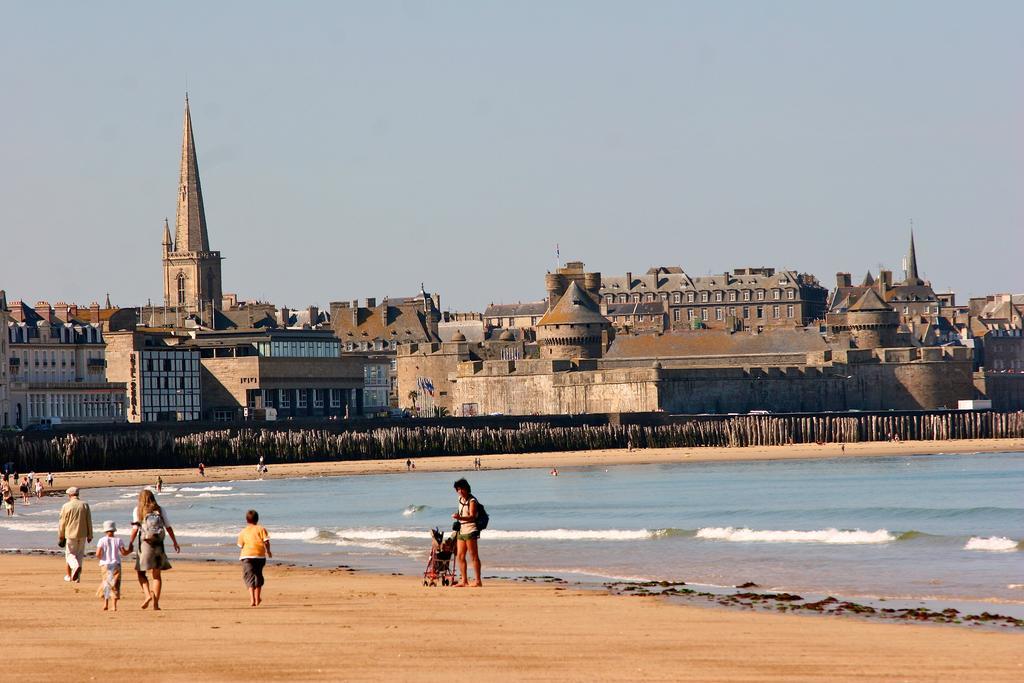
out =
column 192, row 277
column 573, row 328
column 872, row 322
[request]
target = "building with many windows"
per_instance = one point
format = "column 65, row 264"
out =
column 57, row 369
column 5, row 398
column 162, row 377
column 744, row 299
column 277, row 373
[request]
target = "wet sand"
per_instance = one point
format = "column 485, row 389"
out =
column 538, row 460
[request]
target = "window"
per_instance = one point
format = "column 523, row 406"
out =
column 732, row 311
column 746, row 295
column 335, row 398
column 760, row 295
column 675, row 314
column 704, row 314
column 284, row 398
column 610, row 299
column 622, row 298
column 718, row 296
column 689, row 314
column 677, row 298
column 181, row 289
column 650, row 297
column 636, row 298
column 790, row 293
column 300, row 398
column 704, row 297
column 775, row 311
column 719, row 313
column 776, row 294
column 760, row 311
column 789, row 311
column 746, row 311
column 690, row 297
column 318, row 398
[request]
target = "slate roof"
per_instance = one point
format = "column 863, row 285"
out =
column 691, row 343
column 574, row 308
column 529, row 308
column 870, row 301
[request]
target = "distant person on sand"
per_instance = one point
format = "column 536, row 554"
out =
column 202, row 470
column 73, row 532
column 408, row 465
column 109, row 550
column 150, row 524
column 49, row 479
column 468, row 536
column 159, row 484
column 255, row 544
column 8, row 496
column 39, row 488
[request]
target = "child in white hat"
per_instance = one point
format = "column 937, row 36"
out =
column 109, row 550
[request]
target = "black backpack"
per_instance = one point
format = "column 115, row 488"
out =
column 482, row 518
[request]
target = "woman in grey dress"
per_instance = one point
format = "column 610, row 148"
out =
column 150, row 525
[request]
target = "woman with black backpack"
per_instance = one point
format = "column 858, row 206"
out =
column 150, row 525
column 470, row 520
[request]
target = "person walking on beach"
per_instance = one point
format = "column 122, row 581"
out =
column 159, row 483
column 202, row 470
column 109, row 550
column 150, row 525
column 255, row 544
column 8, row 496
column 39, row 488
column 468, row 536
column 73, row 532
column 49, row 479
column 23, row 487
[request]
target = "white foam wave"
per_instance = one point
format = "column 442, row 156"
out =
column 992, row 544
column 413, row 509
column 572, row 535
column 1016, row 586
column 28, row 526
column 835, row 536
column 218, row 495
column 305, row 535
column 196, row 489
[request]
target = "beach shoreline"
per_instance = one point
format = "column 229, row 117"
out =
column 546, row 460
column 332, row 624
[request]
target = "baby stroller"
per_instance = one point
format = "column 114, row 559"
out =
column 441, row 565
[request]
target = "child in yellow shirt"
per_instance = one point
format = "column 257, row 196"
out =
column 255, row 544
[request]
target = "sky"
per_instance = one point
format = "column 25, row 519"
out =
column 351, row 150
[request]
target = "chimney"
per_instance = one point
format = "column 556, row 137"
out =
column 73, row 310
column 17, row 311
column 314, row 314
column 355, row 315
column 94, row 311
column 42, row 309
column 884, row 281
column 384, row 314
column 60, row 309
column 629, row 280
column 284, row 313
column 843, row 280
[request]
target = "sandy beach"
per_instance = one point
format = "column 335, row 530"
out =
column 339, row 625
column 102, row 478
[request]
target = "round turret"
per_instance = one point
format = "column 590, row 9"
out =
column 458, row 336
column 574, row 328
column 507, row 336
column 592, row 282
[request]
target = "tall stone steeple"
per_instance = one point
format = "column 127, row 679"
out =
column 912, row 276
column 192, row 272
column 190, row 229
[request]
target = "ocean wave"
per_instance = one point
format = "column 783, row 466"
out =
column 575, row 534
column 413, row 509
column 831, row 536
column 12, row 524
column 218, row 495
column 197, row 489
column 992, row 544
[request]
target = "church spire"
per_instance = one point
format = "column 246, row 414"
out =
column 190, row 229
column 911, row 267
column 168, row 244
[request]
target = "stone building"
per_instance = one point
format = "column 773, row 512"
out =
column 746, row 298
column 522, row 316
column 425, row 372
column 282, row 373
column 779, row 368
column 913, row 299
column 5, row 396
column 57, row 369
column 163, row 377
column 573, row 326
column 192, row 271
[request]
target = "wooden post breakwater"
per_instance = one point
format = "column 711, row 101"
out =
column 244, row 445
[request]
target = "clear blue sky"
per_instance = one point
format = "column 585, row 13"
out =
column 351, row 150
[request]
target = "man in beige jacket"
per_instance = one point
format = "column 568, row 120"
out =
column 74, row 532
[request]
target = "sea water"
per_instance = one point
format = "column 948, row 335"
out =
column 936, row 527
